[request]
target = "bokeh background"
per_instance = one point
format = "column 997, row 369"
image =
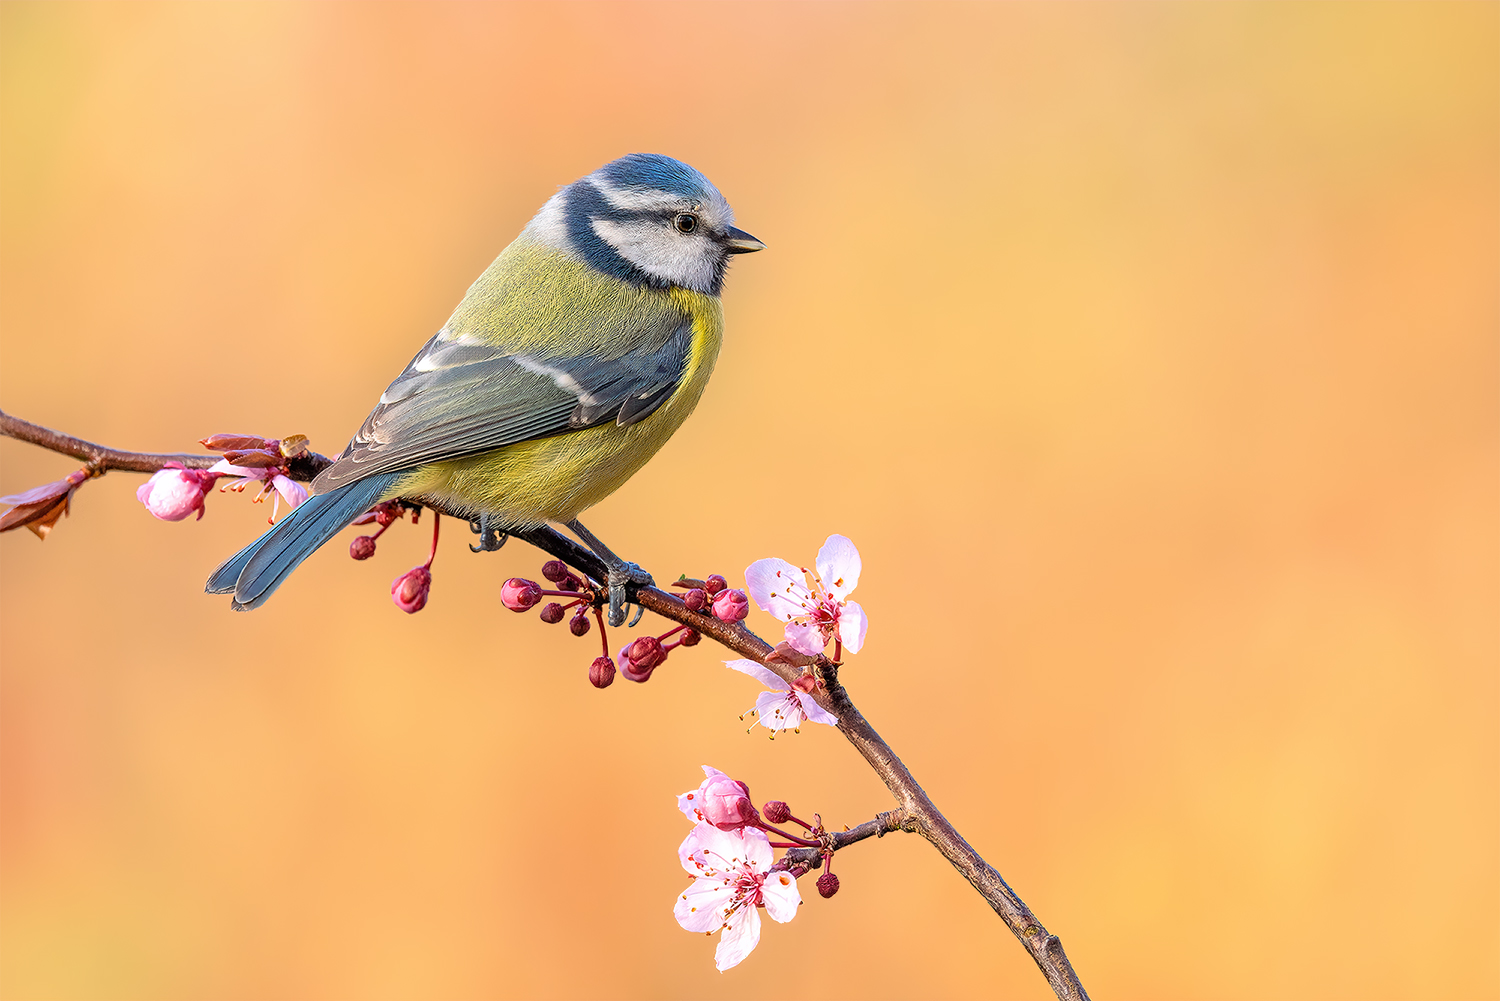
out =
column 1147, row 351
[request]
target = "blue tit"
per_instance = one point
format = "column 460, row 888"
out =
column 566, row 366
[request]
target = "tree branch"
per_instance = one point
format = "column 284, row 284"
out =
column 100, row 459
column 916, row 810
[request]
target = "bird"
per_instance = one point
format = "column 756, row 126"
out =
column 566, row 366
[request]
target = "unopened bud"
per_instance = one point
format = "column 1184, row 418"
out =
column 552, row 613
column 695, row 599
column 519, row 594
column 715, row 584
column 602, row 672
column 731, row 605
column 362, row 548
column 555, row 570
column 579, row 623
column 409, row 591
column 690, row 637
column 828, row 884
column 777, row 812
column 639, row 658
column 647, row 652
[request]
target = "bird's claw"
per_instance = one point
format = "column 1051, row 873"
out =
column 622, row 576
column 490, row 539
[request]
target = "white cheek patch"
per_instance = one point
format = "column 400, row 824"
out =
column 661, row 252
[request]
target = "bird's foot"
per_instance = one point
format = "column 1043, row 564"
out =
column 621, row 576
column 490, row 538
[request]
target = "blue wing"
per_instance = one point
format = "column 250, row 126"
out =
column 459, row 397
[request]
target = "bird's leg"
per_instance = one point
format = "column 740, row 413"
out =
column 621, row 573
column 490, row 538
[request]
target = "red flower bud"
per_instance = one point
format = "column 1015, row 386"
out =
column 362, row 548
column 578, row 625
column 828, row 884
column 552, row 613
column 519, row 594
column 695, row 599
column 640, row 658
column 715, row 584
column 690, row 637
column 777, row 812
column 409, row 591
column 602, row 672
column 555, row 570
column 731, row 605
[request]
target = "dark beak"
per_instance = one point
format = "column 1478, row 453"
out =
column 737, row 241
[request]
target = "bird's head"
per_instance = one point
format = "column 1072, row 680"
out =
column 647, row 219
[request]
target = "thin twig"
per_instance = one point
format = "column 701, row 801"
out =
column 101, row 459
column 916, row 810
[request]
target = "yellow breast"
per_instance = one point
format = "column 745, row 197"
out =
column 557, row 478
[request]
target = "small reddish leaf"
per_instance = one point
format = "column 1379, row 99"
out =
column 39, row 517
column 225, row 442
column 252, row 458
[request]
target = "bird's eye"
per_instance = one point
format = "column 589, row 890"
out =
column 685, row 222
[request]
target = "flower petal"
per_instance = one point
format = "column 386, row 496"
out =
column 690, row 804
column 688, row 853
column 781, row 896
column 805, row 638
column 719, row 851
column 852, row 626
column 778, row 710
column 224, row 467
column 739, row 939
column 777, row 587
column 291, row 491
column 814, row 712
column 760, row 673
column 700, row 907
column 757, row 850
column 839, row 566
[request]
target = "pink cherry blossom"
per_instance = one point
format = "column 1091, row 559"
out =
column 270, row 477
column 783, row 707
column 173, row 493
column 720, row 800
column 816, row 613
column 732, row 881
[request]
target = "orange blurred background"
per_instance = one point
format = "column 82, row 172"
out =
column 1148, row 353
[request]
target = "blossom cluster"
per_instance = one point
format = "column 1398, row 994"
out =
column 730, row 859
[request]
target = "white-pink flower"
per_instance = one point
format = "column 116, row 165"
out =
column 783, row 707
column 732, row 880
column 172, row 493
column 813, row 614
column 285, row 488
column 721, row 801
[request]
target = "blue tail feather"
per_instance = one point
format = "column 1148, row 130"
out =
column 255, row 572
